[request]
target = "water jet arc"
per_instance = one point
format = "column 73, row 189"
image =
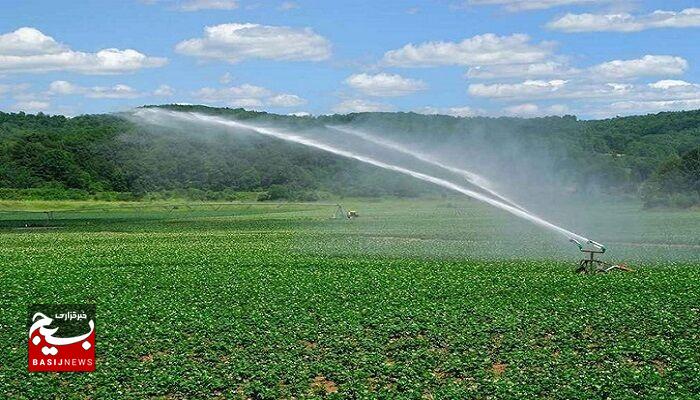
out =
column 475, row 179
column 162, row 117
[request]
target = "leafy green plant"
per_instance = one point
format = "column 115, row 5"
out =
column 436, row 298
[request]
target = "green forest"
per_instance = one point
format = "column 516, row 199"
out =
column 654, row 157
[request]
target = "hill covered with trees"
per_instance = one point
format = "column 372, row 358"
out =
column 655, row 157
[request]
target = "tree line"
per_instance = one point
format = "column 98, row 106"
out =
column 655, row 157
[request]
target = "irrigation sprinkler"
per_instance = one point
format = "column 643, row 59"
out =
column 591, row 264
column 341, row 212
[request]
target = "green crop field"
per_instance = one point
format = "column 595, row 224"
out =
column 435, row 298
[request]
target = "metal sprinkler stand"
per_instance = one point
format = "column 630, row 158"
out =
column 341, row 212
column 591, row 264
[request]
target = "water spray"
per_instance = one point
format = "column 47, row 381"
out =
column 163, row 117
column 589, row 264
column 471, row 177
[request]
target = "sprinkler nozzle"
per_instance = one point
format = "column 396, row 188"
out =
column 596, row 244
column 577, row 243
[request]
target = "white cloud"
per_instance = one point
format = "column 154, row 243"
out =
column 32, row 106
column 533, row 110
column 649, row 65
column 612, row 91
column 592, row 98
column 605, row 82
column 521, row 91
column 29, row 50
column 520, row 5
column 164, row 91
column 197, row 5
column 63, row 87
column 641, row 107
column 225, row 79
column 464, row 111
column 286, row 100
column 619, row 87
column 487, row 49
column 288, row 5
column 536, row 70
column 527, row 109
column 29, row 42
column 14, row 88
column 669, row 84
column 517, row 90
column 237, row 42
column 359, row 105
column 118, row 91
column 385, row 85
column 235, row 92
column 247, row 95
column 300, row 114
column 624, row 22
column 246, row 103
column 557, row 109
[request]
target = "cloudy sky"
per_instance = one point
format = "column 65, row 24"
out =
column 591, row 58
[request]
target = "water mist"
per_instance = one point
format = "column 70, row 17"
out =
column 166, row 117
column 471, row 177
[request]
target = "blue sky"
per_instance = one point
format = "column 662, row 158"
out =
column 591, row 58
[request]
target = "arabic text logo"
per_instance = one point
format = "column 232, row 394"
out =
column 61, row 337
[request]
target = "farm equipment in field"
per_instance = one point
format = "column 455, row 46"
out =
column 590, row 264
column 341, row 212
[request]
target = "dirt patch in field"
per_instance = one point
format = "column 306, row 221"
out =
column 660, row 366
column 498, row 369
column 322, row 385
column 308, row 345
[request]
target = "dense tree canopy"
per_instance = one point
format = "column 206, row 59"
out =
column 655, row 155
column 676, row 182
